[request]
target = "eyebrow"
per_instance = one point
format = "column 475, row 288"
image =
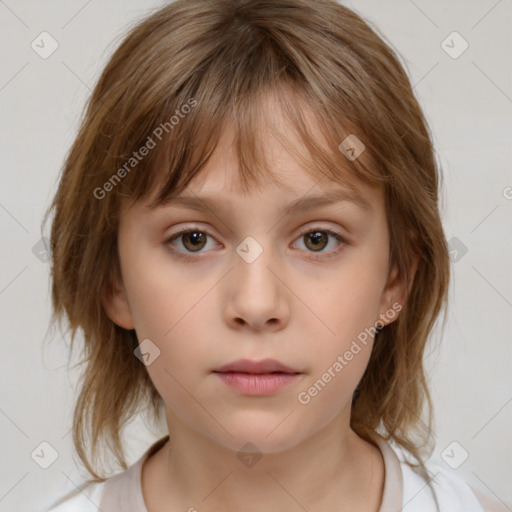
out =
column 301, row 204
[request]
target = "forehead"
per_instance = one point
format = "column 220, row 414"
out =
column 284, row 178
column 211, row 198
column 279, row 164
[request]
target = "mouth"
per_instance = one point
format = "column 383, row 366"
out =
column 257, row 378
column 263, row 367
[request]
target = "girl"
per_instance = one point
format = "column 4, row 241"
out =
column 247, row 233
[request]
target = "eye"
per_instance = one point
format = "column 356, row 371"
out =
column 193, row 240
column 316, row 239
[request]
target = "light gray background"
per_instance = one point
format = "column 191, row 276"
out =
column 468, row 103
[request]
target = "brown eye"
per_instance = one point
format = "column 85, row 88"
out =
column 188, row 242
column 316, row 240
column 193, row 240
column 316, row 243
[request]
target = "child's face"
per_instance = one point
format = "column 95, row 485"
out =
column 292, row 303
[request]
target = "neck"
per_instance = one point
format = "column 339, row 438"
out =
column 328, row 471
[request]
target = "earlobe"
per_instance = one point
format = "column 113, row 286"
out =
column 117, row 308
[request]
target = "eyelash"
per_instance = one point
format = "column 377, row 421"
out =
column 189, row 257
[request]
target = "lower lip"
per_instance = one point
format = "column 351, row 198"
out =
column 255, row 384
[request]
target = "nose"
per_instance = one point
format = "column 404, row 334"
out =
column 257, row 295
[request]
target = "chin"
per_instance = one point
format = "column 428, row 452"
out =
column 260, row 433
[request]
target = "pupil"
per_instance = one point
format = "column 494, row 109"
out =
column 194, row 239
column 317, row 238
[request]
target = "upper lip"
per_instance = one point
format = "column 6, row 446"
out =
column 249, row 366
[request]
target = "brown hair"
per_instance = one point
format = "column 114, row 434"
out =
column 221, row 58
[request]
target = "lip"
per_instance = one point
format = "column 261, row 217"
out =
column 264, row 366
column 257, row 378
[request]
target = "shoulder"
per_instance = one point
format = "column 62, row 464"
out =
column 446, row 488
column 122, row 491
column 436, row 485
column 85, row 499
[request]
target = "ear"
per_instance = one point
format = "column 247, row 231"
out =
column 395, row 292
column 116, row 305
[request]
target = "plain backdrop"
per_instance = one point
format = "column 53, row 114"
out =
column 467, row 100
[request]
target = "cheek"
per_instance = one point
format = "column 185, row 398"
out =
column 158, row 292
column 347, row 308
column 186, row 353
column 341, row 355
column 349, row 298
column 174, row 310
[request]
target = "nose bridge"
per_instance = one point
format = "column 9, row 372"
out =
column 253, row 263
column 257, row 291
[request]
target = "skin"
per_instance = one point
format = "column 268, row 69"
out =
column 291, row 304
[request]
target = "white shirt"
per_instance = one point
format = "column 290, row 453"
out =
column 405, row 489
